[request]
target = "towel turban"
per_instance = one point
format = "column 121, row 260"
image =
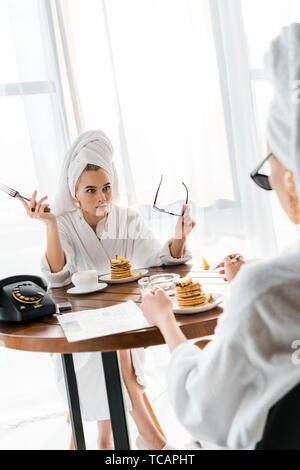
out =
column 91, row 147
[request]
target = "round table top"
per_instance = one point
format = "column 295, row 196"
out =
column 47, row 335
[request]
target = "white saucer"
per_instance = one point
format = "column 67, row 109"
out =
column 95, row 288
column 140, row 273
column 217, row 298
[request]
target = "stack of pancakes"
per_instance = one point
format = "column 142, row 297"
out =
column 120, row 268
column 189, row 293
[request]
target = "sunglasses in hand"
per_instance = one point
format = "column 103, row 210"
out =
column 163, row 210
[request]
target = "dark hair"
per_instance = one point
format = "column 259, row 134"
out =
column 91, row 167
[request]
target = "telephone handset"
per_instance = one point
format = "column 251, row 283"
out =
column 23, row 298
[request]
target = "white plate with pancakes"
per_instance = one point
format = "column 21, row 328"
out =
column 217, row 298
column 136, row 274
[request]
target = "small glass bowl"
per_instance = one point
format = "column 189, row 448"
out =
column 144, row 285
column 165, row 282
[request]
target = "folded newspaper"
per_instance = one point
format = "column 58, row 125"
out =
column 88, row 324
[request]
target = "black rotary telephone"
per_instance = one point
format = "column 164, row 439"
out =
column 23, row 298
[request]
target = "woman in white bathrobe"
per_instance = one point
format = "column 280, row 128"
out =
column 85, row 229
column 223, row 393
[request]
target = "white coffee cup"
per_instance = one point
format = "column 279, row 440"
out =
column 85, row 279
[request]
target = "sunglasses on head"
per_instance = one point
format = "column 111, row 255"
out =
column 261, row 179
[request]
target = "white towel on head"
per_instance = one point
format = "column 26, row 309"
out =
column 282, row 62
column 92, row 147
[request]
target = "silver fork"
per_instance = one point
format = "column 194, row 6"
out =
column 13, row 193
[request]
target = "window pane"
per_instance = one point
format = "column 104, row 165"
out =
column 262, row 92
column 8, row 69
column 21, row 238
column 22, row 40
column 16, row 154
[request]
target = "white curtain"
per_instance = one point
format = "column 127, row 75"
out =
column 36, row 125
column 258, row 33
column 163, row 84
column 168, row 81
column 246, row 149
column 39, row 86
column 36, row 128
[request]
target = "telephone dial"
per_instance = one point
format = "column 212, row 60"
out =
column 23, row 298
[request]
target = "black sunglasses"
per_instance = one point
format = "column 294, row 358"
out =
column 261, row 180
column 163, row 210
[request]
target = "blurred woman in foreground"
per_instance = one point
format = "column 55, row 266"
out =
column 223, row 393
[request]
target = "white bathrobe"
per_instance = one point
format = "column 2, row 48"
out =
column 222, row 394
column 126, row 234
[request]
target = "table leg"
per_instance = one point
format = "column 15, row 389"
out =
column 73, row 400
column 115, row 400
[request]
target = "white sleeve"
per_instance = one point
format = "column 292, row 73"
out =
column 167, row 258
column 63, row 277
column 209, row 389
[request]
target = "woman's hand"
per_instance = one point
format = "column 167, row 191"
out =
column 157, row 307
column 231, row 264
column 158, row 310
column 183, row 228
column 39, row 207
column 185, row 224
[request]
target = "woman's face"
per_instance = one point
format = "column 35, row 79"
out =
column 93, row 191
column 276, row 179
column 282, row 182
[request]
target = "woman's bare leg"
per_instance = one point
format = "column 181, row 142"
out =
column 105, row 437
column 149, row 434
